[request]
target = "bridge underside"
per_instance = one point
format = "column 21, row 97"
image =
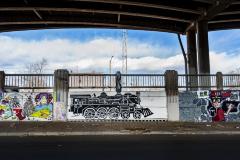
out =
column 168, row 16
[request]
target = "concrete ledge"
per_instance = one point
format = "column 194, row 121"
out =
column 115, row 128
column 37, row 134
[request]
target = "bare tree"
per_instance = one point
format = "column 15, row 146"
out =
column 234, row 80
column 38, row 67
column 235, row 71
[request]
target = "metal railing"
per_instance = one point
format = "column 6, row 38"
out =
column 85, row 81
column 109, row 81
column 143, row 81
column 197, row 81
column 231, row 80
column 29, row 81
column 92, row 81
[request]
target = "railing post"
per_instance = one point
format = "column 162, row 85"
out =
column 2, row 80
column 118, row 82
column 171, row 88
column 61, row 88
column 219, row 81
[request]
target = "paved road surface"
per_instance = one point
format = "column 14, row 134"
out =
column 124, row 147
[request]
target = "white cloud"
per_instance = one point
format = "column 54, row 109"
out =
column 94, row 55
column 86, row 56
column 143, row 64
column 224, row 62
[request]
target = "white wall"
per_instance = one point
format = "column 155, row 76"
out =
column 154, row 100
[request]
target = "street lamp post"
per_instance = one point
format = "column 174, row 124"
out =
column 110, row 65
column 110, row 71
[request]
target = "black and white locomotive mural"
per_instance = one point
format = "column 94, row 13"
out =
column 119, row 106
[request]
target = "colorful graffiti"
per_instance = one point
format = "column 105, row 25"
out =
column 59, row 112
column 210, row 106
column 20, row 106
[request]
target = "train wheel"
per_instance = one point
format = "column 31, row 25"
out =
column 125, row 115
column 113, row 113
column 137, row 115
column 102, row 113
column 89, row 113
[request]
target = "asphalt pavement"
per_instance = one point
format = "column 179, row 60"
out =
column 121, row 147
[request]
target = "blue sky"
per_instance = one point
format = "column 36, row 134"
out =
column 87, row 50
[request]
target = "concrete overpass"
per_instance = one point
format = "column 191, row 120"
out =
column 184, row 17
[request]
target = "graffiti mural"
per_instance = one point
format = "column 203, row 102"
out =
column 210, row 106
column 28, row 106
column 105, row 106
column 59, row 112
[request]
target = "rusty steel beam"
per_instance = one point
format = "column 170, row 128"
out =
column 224, row 21
column 92, row 24
column 38, row 14
column 217, row 7
column 35, row 9
column 229, row 13
column 223, row 26
column 143, row 4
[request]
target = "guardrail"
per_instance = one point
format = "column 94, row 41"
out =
column 29, row 81
column 89, row 81
column 109, row 81
column 197, row 81
column 92, row 81
column 231, row 80
column 143, row 81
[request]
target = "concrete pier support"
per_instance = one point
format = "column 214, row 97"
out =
column 61, row 85
column 61, row 89
column 192, row 58
column 203, row 54
column 2, row 80
column 171, row 88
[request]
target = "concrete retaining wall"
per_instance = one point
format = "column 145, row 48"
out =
column 16, row 106
column 155, row 101
column 203, row 106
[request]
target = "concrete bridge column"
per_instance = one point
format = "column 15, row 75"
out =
column 192, row 59
column 171, row 88
column 2, row 81
column 203, row 53
column 61, row 90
